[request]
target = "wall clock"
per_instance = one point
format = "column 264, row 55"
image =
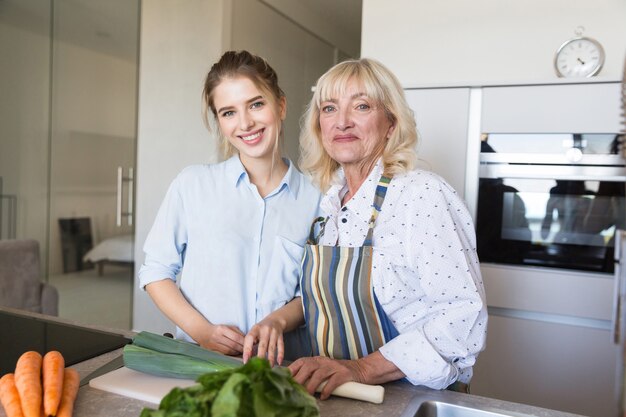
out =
column 579, row 57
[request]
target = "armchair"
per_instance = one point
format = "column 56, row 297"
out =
column 20, row 283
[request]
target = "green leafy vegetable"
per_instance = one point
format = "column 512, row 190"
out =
column 254, row 389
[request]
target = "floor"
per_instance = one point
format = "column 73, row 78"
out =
column 91, row 299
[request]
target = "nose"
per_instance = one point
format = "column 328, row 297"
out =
column 245, row 121
column 344, row 119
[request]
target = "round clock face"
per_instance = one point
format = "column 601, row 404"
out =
column 579, row 57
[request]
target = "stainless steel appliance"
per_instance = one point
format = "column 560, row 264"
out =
column 551, row 200
column 619, row 318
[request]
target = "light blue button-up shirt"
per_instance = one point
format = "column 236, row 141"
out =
column 239, row 253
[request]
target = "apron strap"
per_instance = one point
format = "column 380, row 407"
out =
column 313, row 240
column 379, row 198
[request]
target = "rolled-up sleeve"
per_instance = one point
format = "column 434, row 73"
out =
column 165, row 245
column 432, row 288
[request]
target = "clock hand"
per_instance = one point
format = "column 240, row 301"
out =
column 581, row 61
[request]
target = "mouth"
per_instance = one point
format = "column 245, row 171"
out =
column 252, row 138
column 344, row 138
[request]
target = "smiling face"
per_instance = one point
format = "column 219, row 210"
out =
column 354, row 128
column 248, row 119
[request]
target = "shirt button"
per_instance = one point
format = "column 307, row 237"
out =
column 344, row 220
column 344, row 208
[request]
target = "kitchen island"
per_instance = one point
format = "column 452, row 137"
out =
column 401, row 399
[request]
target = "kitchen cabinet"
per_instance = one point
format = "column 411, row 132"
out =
column 549, row 341
column 556, row 365
column 442, row 116
column 592, row 107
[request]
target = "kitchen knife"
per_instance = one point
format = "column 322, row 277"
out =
column 112, row 365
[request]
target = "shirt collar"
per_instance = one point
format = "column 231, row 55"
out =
column 331, row 203
column 236, row 172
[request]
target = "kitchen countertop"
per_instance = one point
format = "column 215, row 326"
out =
column 92, row 402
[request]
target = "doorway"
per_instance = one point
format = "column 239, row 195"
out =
column 67, row 147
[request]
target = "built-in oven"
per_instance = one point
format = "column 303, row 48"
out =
column 551, row 200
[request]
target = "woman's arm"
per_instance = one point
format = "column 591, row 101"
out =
column 268, row 333
column 371, row 369
column 168, row 297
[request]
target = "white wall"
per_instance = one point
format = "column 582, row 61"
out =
column 178, row 45
column 322, row 25
column 297, row 56
column 486, row 41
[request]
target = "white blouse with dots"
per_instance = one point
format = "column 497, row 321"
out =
column 425, row 271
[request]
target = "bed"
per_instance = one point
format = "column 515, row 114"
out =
column 117, row 250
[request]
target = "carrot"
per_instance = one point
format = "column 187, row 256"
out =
column 9, row 397
column 52, row 371
column 71, row 383
column 28, row 383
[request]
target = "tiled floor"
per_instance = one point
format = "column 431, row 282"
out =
column 102, row 300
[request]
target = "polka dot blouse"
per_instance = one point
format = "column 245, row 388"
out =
column 425, row 271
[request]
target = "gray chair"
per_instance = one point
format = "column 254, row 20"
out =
column 20, row 283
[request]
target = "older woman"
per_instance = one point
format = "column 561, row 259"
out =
column 390, row 281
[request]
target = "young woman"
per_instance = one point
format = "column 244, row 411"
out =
column 235, row 229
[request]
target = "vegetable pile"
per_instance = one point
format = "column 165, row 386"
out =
column 254, row 389
column 39, row 386
column 225, row 389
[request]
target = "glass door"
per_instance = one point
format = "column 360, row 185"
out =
column 24, row 120
column 68, row 113
column 93, row 131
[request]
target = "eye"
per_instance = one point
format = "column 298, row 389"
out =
column 257, row 104
column 328, row 109
column 363, row 106
column 227, row 113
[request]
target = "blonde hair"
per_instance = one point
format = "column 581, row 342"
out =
column 380, row 85
column 235, row 64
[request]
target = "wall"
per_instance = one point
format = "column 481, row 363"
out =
column 323, row 22
column 485, row 41
column 178, row 44
column 299, row 61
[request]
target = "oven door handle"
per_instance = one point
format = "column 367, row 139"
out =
column 620, row 289
column 553, row 172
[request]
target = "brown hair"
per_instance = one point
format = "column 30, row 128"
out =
column 235, row 64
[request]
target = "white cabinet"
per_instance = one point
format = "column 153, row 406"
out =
column 548, row 364
column 442, row 116
column 564, row 108
column 549, row 341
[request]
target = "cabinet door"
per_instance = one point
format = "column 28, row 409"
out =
column 566, row 108
column 442, row 116
column 550, row 365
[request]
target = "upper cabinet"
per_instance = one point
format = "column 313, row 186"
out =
column 562, row 108
column 442, row 116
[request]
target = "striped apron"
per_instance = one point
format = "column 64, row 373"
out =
column 343, row 315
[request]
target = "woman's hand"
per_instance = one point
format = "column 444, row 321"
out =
column 371, row 369
column 267, row 335
column 311, row 372
column 223, row 339
column 220, row 338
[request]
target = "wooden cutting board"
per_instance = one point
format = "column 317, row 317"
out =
column 138, row 385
